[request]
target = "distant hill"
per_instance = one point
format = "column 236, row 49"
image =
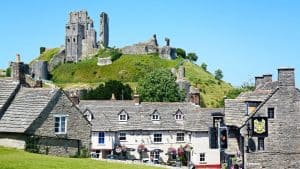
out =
column 129, row 69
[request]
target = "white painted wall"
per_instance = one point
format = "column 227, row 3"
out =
column 198, row 140
column 15, row 143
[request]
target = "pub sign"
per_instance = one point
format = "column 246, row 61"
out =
column 259, row 126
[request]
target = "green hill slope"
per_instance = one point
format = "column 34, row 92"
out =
column 130, row 68
column 16, row 159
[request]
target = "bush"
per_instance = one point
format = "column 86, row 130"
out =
column 113, row 53
column 218, row 74
column 181, row 53
column 192, row 56
column 204, row 66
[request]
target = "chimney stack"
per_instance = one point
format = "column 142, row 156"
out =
column 194, row 95
column 136, row 99
column 74, row 96
column 286, row 77
column 258, row 81
column 17, row 70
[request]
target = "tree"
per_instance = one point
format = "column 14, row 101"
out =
column 192, row 56
column 8, row 72
column 204, row 66
column 218, row 74
column 105, row 91
column 160, row 86
column 180, row 53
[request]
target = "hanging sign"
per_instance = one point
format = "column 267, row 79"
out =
column 259, row 126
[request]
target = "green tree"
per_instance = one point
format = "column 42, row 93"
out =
column 160, row 86
column 218, row 74
column 105, row 91
column 192, row 56
column 204, row 66
column 180, row 53
column 8, row 72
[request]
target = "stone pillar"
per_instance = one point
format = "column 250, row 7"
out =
column 104, row 30
column 17, row 70
column 286, row 77
column 181, row 72
column 194, row 95
column 167, row 41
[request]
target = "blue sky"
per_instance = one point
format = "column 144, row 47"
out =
column 242, row 38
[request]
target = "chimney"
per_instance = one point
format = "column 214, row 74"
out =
column 38, row 84
column 258, row 81
column 74, row 98
column 113, row 97
column 286, row 77
column 17, row 70
column 136, row 99
column 267, row 78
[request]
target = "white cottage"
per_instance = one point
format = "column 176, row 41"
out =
column 156, row 131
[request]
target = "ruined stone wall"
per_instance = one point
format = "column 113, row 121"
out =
column 104, row 30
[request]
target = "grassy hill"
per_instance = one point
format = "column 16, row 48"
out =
column 130, row 68
column 16, row 159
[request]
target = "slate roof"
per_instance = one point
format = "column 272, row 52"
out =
column 106, row 116
column 25, row 108
column 7, row 88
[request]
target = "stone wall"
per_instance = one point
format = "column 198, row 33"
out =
column 104, row 61
column 282, row 146
column 78, row 128
column 104, row 30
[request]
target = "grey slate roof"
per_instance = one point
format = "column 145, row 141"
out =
column 25, row 108
column 7, row 88
column 107, row 119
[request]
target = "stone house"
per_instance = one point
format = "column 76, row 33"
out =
column 42, row 120
column 264, row 125
column 151, row 130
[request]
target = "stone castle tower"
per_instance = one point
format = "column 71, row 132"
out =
column 104, row 31
column 80, row 37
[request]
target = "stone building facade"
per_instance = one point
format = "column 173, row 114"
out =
column 264, row 124
column 42, row 120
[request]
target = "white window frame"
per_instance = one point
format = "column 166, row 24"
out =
column 122, row 114
column 179, row 115
column 157, row 137
column 60, row 124
column 155, row 154
column 202, row 158
column 124, row 136
column 177, row 137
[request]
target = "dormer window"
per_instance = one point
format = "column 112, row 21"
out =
column 123, row 115
column 179, row 115
column 155, row 116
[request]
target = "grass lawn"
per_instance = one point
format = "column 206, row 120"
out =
column 18, row 159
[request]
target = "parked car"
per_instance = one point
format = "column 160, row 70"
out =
column 112, row 157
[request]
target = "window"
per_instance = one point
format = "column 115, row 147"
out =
column 101, row 138
column 251, row 107
column 202, row 157
column 74, row 40
column 261, row 143
column 123, row 116
column 180, row 137
column 157, row 138
column 271, row 113
column 179, row 115
column 155, row 117
column 155, row 155
column 122, row 136
column 60, row 126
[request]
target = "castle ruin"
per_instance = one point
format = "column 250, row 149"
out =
column 81, row 39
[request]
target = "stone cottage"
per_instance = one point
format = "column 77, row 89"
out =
column 42, row 120
column 264, row 125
